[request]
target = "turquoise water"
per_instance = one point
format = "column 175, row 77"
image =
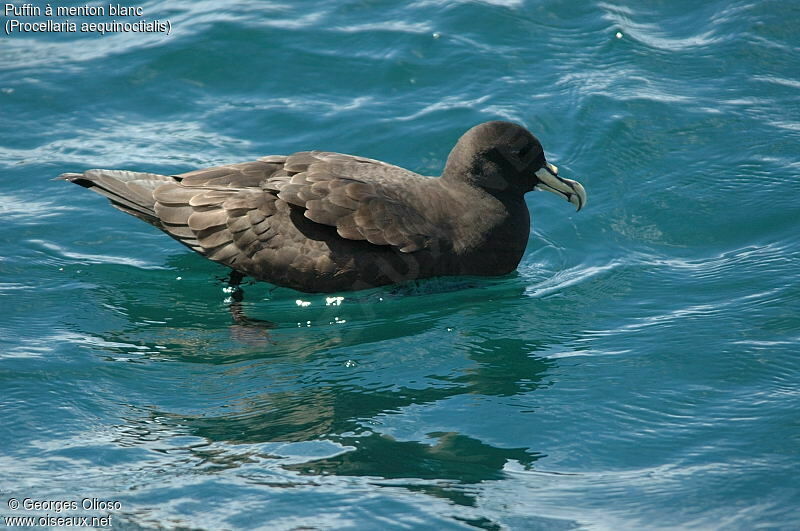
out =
column 639, row 370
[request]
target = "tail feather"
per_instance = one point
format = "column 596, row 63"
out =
column 129, row 191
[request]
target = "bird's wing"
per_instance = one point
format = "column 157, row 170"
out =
column 239, row 214
column 364, row 199
column 220, row 212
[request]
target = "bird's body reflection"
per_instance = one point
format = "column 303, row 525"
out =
column 331, row 382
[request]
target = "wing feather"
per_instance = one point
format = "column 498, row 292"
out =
column 365, row 199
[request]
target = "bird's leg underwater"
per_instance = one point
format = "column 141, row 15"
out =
column 235, row 307
column 235, row 286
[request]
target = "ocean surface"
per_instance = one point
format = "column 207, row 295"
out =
column 641, row 368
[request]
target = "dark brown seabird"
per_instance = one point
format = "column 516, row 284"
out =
column 318, row 221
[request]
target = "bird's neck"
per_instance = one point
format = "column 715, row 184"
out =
column 497, row 236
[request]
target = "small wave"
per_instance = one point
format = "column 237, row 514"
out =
column 95, row 258
column 500, row 3
column 570, row 277
column 446, row 104
column 396, row 26
column 653, row 34
column 25, row 210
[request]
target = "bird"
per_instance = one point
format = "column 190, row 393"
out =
column 324, row 222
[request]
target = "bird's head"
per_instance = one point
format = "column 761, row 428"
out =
column 503, row 157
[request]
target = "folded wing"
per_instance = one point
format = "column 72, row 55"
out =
column 363, row 198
